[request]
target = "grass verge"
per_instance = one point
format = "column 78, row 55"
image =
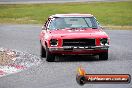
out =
column 108, row 13
column 118, row 27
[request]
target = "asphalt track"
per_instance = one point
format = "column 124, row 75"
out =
column 62, row 73
column 51, row 1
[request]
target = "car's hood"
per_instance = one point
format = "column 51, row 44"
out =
column 78, row 33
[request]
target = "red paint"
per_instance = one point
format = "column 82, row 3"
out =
column 82, row 33
column 1, row 72
column 18, row 66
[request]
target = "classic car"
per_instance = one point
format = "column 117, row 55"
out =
column 73, row 34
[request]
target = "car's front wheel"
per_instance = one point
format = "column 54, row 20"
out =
column 103, row 56
column 43, row 52
column 49, row 57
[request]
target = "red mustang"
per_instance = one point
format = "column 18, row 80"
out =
column 73, row 34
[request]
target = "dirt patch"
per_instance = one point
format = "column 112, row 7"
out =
column 13, row 61
column 6, row 56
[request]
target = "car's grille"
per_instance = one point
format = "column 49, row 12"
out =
column 78, row 42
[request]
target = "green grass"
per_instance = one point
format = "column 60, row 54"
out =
column 112, row 13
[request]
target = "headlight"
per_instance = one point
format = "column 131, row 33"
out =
column 53, row 42
column 103, row 41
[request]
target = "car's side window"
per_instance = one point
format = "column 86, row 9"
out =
column 98, row 24
column 52, row 24
column 89, row 22
column 92, row 22
column 49, row 23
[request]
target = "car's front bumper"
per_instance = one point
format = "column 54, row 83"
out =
column 79, row 50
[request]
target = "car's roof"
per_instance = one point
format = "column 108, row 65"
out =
column 71, row 15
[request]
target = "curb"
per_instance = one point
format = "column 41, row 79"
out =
column 18, row 62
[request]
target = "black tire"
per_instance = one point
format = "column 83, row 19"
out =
column 49, row 57
column 43, row 52
column 103, row 56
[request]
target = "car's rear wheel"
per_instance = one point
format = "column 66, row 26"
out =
column 103, row 56
column 49, row 57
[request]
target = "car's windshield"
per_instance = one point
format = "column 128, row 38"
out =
column 73, row 22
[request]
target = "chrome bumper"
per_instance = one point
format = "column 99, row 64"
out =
column 72, row 48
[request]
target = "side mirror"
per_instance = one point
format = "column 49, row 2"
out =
column 43, row 27
column 101, row 27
